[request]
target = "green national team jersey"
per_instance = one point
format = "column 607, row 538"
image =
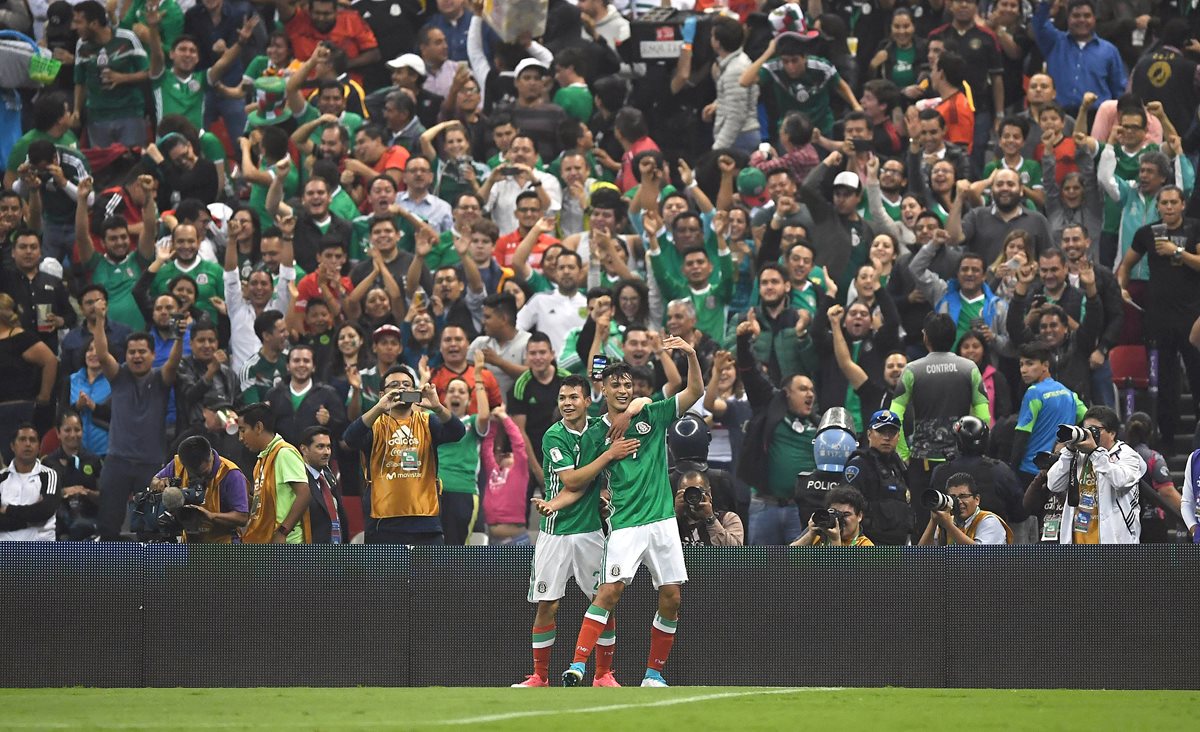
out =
column 458, row 462
column 639, row 484
column 560, row 451
column 182, row 96
column 209, row 278
column 118, row 279
column 123, row 54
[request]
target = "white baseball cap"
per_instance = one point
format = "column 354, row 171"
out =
column 410, row 60
column 849, row 179
column 527, row 63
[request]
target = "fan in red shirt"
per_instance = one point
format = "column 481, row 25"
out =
column 326, row 282
column 324, row 22
column 529, row 211
column 455, row 365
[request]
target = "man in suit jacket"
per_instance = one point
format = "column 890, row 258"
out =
column 326, row 512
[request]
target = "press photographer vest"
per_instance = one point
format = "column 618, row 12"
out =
column 262, row 503
column 978, row 518
column 403, row 467
column 212, row 499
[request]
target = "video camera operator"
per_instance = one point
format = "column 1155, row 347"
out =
column 955, row 516
column 699, row 524
column 838, row 524
column 1100, row 476
column 223, row 506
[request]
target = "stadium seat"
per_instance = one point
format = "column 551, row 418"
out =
column 1131, row 372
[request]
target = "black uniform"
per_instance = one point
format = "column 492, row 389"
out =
column 881, row 479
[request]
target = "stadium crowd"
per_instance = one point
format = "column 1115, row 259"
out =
column 927, row 223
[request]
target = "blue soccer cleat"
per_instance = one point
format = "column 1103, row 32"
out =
column 573, row 675
column 654, row 678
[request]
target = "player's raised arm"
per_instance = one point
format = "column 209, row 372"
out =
column 695, row 380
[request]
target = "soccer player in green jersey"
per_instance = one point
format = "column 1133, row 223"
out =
column 642, row 512
column 571, row 542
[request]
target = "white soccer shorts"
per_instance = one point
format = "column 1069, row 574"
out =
column 556, row 558
column 656, row 545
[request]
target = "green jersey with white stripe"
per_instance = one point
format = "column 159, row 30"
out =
column 560, row 451
column 639, row 484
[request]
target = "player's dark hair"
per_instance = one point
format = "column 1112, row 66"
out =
column 575, row 381
column 616, row 370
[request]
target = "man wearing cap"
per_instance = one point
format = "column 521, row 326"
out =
column 387, row 345
column 408, row 73
column 324, row 22
column 840, row 236
column 798, row 80
column 878, row 473
column 532, row 114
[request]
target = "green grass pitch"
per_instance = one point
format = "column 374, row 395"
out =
column 722, row 708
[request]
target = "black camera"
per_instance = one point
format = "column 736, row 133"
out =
column 935, row 500
column 1044, row 460
column 693, row 496
column 178, row 326
column 162, row 516
column 1071, row 435
column 827, row 519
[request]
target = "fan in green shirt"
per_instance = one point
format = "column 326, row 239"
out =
column 169, row 25
column 118, row 269
column 709, row 289
column 52, row 121
column 182, row 89
column 208, row 276
column 110, row 66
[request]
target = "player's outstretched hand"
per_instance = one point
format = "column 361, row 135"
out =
column 542, row 507
column 675, row 343
column 623, row 448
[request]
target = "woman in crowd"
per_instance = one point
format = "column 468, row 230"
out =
column 506, row 476
column 459, row 462
column 245, row 233
column 352, row 352
column 974, row 347
column 902, row 55
column 1016, row 253
column 457, row 171
column 90, row 394
column 633, row 303
column 28, row 369
column 420, row 338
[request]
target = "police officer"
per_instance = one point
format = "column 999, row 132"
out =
column 999, row 490
column 687, row 439
column 879, row 474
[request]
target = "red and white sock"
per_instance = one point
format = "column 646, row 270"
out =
column 606, row 647
column 594, row 621
column 662, row 637
column 543, row 642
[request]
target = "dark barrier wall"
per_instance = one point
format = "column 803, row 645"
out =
column 130, row 615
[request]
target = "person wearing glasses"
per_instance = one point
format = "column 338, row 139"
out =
column 967, row 524
column 847, row 505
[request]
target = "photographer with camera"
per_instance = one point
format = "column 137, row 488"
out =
column 838, row 524
column 955, row 516
column 1099, row 475
column 207, row 494
column 699, row 524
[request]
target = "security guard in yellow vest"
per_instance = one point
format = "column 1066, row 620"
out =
column 225, row 507
column 971, row 525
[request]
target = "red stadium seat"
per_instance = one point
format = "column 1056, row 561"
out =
column 1131, row 371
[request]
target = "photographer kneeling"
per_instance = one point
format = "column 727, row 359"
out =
column 698, row 523
column 1100, row 476
column 956, row 516
column 838, row 524
column 215, row 493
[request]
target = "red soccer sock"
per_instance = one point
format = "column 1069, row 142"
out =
column 543, row 642
column 606, row 647
column 594, row 621
column 662, row 637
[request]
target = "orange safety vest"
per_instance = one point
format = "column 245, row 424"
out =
column 212, row 500
column 262, row 505
column 971, row 528
column 402, row 469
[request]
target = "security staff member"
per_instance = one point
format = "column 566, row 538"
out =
column 997, row 485
column 879, row 474
column 225, row 508
column 400, row 443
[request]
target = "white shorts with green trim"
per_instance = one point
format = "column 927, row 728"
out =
column 558, row 557
column 656, row 545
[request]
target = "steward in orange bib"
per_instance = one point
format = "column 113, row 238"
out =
column 400, row 444
column 971, row 525
column 225, row 508
column 279, row 502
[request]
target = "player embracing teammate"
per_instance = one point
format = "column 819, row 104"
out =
column 642, row 506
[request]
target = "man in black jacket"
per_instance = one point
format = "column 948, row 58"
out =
column 204, row 374
column 326, row 512
column 879, row 474
column 1076, row 244
column 301, row 401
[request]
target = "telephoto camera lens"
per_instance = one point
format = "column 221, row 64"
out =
column 693, row 496
column 935, row 500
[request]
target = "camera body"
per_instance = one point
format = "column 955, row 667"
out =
column 151, row 519
column 1071, row 435
column 178, row 326
column 693, row 496
column 827, row 520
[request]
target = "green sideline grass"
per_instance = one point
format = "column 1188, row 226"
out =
column 678, row 708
